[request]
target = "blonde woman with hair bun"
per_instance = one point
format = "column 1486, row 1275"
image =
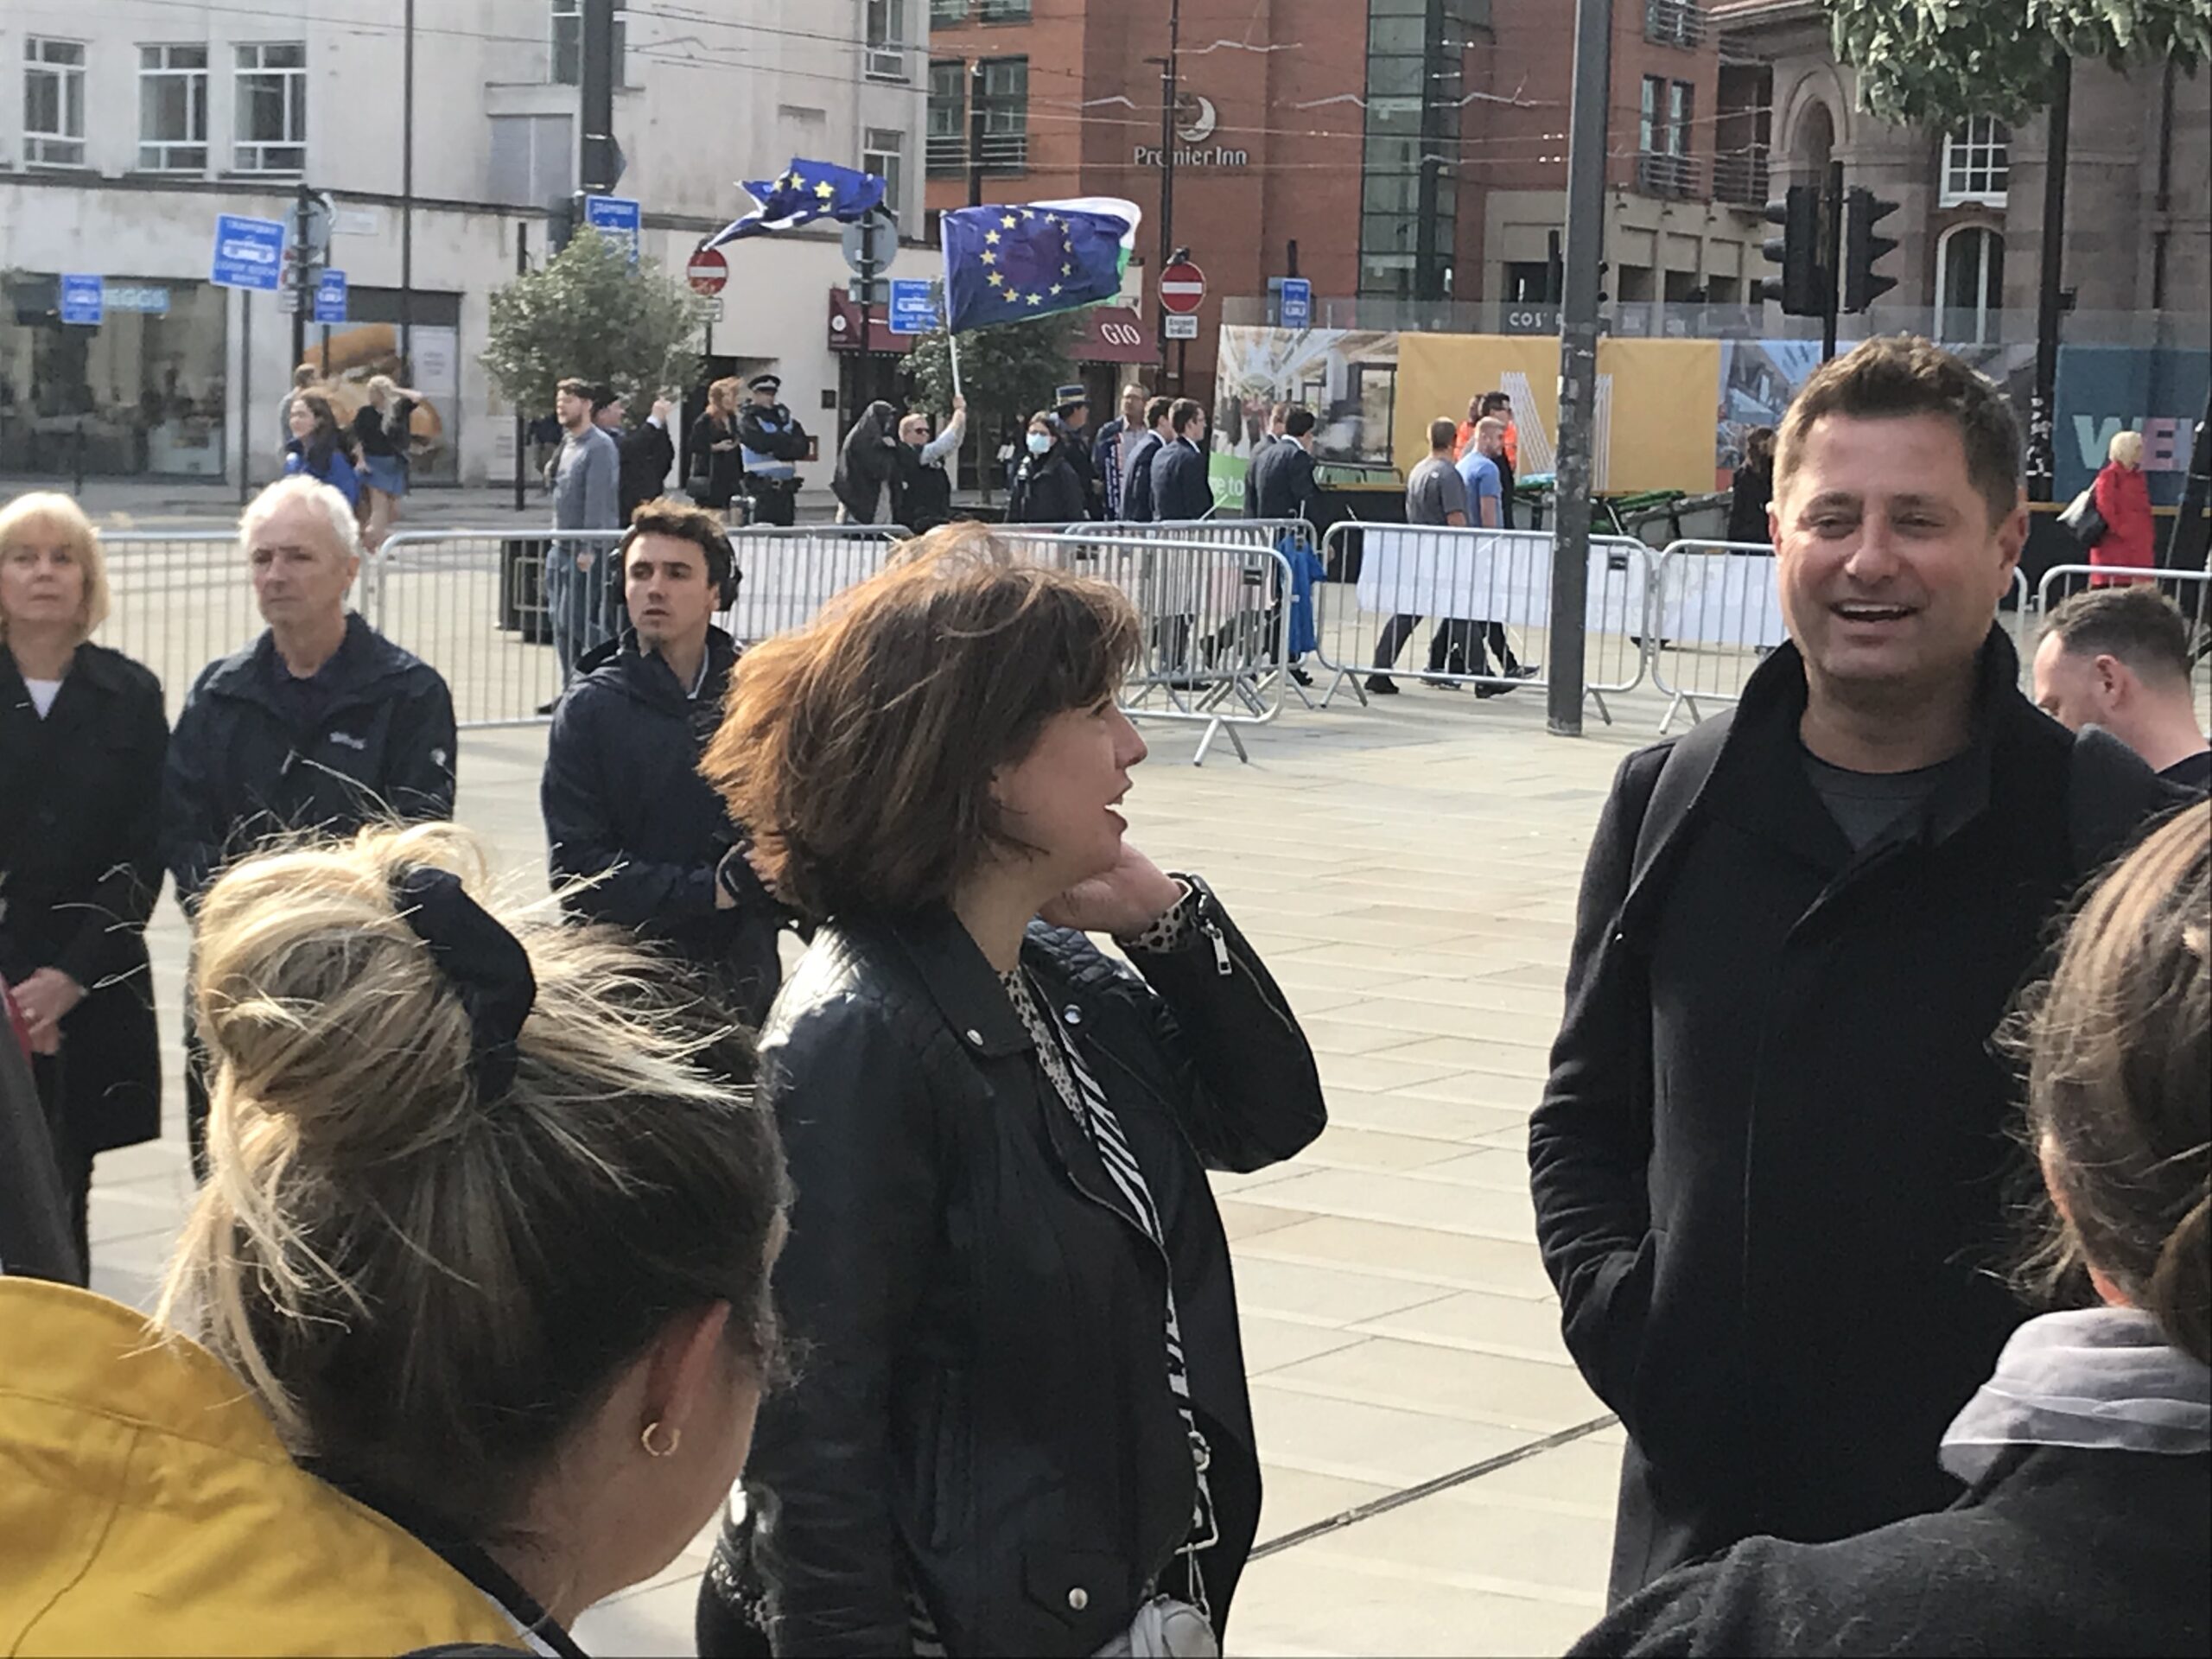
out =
column 2130, row 538
column 466, row 1331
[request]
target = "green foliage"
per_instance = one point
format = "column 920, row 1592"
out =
column 1009, row 372
column 1936, row 62
column 586, row 312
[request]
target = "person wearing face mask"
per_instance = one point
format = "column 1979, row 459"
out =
column 922, row 494
column 867, row 464
column 1048, row 489
column 1024, row 1426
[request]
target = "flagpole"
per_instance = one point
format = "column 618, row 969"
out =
column 952, row 346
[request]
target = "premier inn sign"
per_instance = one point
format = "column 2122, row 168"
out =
column 1196, row 119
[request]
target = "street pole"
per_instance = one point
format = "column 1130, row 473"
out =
column 522, row 425
column 2042, row 447
column 245, row 396
column 1168, row 95
column 595, row 168
column 1578, row 362
column 975, row 133
column 869, row 266
column 1831, row 257
column 302, row 277
column 406, row 197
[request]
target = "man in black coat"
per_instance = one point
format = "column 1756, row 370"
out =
column 1770, row 1167
column 1137, row 490
column 1071, row 404
column 320, row 724
column 1280, row 484
column 1180, row 489
column 646, row 452
column 626, row 809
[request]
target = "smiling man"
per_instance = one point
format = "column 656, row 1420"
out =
column 624, row 807
column 1770, row 1165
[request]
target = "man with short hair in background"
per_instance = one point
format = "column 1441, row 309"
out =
column 587, row 495
column 1136, row 494
column 1180, row 489
column 1456, row 647
column 1111, row 451
column 1436, row 497
column 643, row 456
column 2118, row 657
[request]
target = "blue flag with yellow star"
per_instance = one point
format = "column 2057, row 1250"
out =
column 1010, row 260
column 802, row 192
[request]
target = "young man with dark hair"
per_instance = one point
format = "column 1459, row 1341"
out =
column 626, row 809
column 1771, row 1167
column 587, row 495
column 1179, row 490
column 1436, row 498
column 1136, row 496
column 2118, row 657
column 1279, row 484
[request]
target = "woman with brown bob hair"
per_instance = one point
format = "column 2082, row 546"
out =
column 1024, row 1426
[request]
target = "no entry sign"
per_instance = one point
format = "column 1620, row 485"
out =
column 707, row 272
column 1182, row 285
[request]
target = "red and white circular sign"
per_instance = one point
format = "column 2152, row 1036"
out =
column 1182, row 285
column 708, row 271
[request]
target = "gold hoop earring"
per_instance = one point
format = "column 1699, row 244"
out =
column 675, row 1439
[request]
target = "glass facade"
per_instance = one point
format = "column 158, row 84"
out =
column 1408, row 227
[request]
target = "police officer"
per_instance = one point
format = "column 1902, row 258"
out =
column 770, row 440
column 1072, row 405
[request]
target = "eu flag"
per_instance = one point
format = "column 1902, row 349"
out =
column 802, row 192
column 1008, row 261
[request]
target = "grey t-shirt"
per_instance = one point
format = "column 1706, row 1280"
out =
column 1871, row 806
column 1434, row 490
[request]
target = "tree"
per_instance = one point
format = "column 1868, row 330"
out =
column 587, row 312
column 1936, row 62
column 1009, row 372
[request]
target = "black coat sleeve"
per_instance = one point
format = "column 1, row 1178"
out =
column 1305, row 488
column 117, row 907
column 1250, row 1094
column 419, row 780
column 1590, row 1139
column 859, row 1131
column 583, row 841
column 194, row 825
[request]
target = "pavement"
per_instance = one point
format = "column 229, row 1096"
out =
column 1439, row 1478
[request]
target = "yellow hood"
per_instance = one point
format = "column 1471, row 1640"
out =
column 147, row 1506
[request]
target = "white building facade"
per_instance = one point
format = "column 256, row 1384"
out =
column 127, row 126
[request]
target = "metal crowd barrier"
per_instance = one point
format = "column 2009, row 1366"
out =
column 2190, row 590
column 788, row 575
column 1474, row 606
column 180, row 602
column 1216, row 614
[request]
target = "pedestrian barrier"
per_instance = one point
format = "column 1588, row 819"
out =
column 1715, row 612
column 788, row 575
column 2190, row 590
column 1484, row 597
column 181, row 602
column 1216, row 614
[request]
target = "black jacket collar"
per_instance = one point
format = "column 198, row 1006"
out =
column 365, row 663
column 625, row 665
column 960, row 981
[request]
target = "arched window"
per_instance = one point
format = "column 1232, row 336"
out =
column 1969, row 285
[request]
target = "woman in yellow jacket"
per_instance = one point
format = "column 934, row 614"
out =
column 466, row 1330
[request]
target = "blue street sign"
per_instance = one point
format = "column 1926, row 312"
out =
column 81, row 299
column 617, row 217
column 330, row 296
column 1297, row 307
column 249, row 252
column 913, row 306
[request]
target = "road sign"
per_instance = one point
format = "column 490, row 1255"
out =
column 1296, row 310
column 618, row 219
column 322, row 214
column 330, row 297
column 913, row 306
column 707, row 272
column 872, row 239
column 1182, row 285
column 1181, row 325
column 249, row 252
column 83, row 299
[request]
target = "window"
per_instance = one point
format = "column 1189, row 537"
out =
column 1006, row 11
column 172, row 109
column 532, row 159
column 569, row 42
column 883, row 151
column 1969, row 285
column 944, row 13
column 272, row 108
column 53, row 102
column 1977, row 163
column 1673, row 23
column 945, row 147
column 1408, row 204
column 886, row 57
column 1005, row 97
column 1663, row 117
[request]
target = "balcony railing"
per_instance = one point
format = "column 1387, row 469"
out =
column 945, row 155
column 1740, row 178
column 1673, row 23
column 1659, row 174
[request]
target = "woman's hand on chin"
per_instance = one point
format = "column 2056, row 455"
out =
column 1123, row 901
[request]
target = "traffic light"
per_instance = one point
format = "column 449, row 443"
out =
column 1797, row 251
column 1863, row 211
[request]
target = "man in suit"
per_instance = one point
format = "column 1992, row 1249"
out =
column 1136, row 487
column 1280, row 483
column 1179, row 490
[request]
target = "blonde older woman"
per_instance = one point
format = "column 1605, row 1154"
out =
column 82, row 737
column 2123, row 497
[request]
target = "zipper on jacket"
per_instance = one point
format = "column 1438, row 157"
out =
column 1212, row 929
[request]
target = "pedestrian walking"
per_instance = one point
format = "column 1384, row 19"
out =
column 2088, row 1515
column 319, row 447
column 771, row 444
column 587, row 495
column 384, row 432
column 922, row 495
column 1750, row 492
column 643, row 453
column 1003, row 1240
column 1110, row 452
column 1769, row 1164
column 714, row 470
column 2117, row 658
column 467, row 1333
column 867, row 463
column 1436, row 497
column 1281, row 484
column 2129, row 539
column 1180, row 493
column 636, row 837
column 1047, row 488
column 82, row 736
column 320, row 725
column 1458, row 647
